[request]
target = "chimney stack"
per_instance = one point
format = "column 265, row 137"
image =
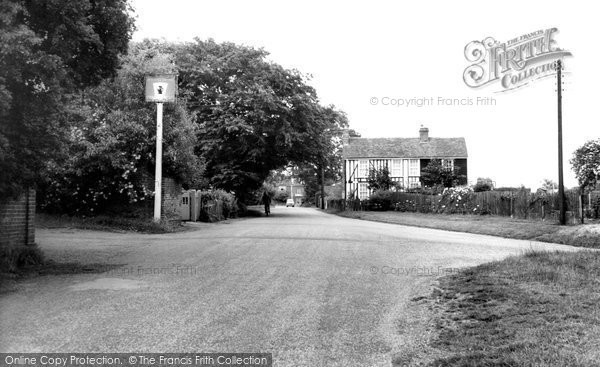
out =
column 423, row 134
column 345, row 137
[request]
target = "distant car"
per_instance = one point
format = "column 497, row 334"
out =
column 290, row 202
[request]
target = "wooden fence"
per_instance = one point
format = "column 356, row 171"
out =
column 517, row 204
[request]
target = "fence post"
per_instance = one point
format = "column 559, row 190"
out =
column 581, row 207
column 511, row 205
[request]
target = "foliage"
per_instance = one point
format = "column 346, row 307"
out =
column 434, row 190
column 381, row 199
column 586, row 164
column 435, row 173
column 47, row 48
column 228, row 201
column 483, row 184
column 110, row 148
column 549, row 185
column 353, row 133
column 254, row 116
column 379, row 179
column 281, row 196
column 511, row 189
column 457, row 200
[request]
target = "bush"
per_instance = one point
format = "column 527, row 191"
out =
column 457, row 200
column 381, row 200
column 512, row 189
column 281, row 196
column 482, row 186
column 434, row 190
column 226, row 203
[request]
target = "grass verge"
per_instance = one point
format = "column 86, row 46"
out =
column 587, row 235
column 539, row 309
column 108, row 223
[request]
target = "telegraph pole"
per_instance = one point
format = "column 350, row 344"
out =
column 323, row 185
column 561, row 188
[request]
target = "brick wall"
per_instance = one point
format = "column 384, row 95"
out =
column 17, row 229
column 171, row 199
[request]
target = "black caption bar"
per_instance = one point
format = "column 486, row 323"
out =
column 137, row 359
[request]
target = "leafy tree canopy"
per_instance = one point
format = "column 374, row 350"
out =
column 586, row 164
column 438, row 174
column 110, row 152
column 379, row 179
column 46, row 49
column 254, row 116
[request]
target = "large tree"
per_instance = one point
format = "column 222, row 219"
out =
column 47, row 50
column 586, row 164
column 109, row 157
column 254, row 115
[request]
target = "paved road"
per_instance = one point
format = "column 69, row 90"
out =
column 314, row 289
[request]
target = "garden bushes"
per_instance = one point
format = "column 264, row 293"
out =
column 520, row 203
column 218, row 205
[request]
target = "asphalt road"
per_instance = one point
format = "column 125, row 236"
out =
column 312, row 288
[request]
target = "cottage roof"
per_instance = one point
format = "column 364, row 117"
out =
column 405, row 148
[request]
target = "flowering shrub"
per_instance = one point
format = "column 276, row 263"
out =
column 111, row 143
column 456, row 200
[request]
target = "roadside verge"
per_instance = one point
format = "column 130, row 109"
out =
column 586, row 235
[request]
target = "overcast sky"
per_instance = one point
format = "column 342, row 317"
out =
column 361, row 51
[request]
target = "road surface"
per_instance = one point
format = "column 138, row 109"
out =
column 312, row 288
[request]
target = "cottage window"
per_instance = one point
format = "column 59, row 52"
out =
column 396, row 167
column 363, row 168
column 413, row 182
column 413, row 167
column 448, row 163
column 363, row 191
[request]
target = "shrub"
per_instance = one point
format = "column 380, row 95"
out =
column 227, row 201
column 482, row 186
column 457, row 200
column 381, row 200
column 426, row 190
column 281, row 196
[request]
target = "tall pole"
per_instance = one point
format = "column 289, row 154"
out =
column 158, row 169
column 322, row 185
column 561, row 188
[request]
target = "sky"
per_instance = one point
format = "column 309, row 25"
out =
column 366, row 56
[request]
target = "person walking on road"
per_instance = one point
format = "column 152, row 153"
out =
column 266, row 200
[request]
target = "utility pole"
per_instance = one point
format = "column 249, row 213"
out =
column 322, row 185
column 561, row 187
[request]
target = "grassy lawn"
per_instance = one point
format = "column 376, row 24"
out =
column 539, row 309
column 587, row 235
